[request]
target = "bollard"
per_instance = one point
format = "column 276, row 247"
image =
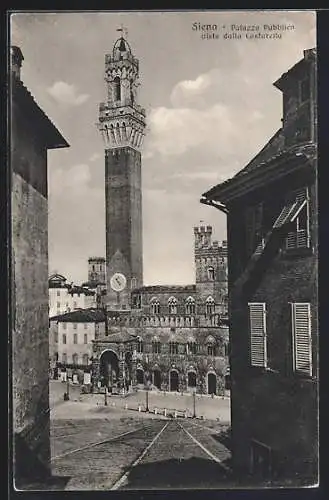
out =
column 175, row 414
column 113, row 404
column 126, row 406
column 139, row 408
column 155, row 411
column 165, row 412
column 185, row 414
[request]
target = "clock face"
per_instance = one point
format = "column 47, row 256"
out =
column 118, row 282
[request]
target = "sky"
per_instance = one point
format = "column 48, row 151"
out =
column 210, row 103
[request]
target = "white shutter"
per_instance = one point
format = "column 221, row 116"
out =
column 302, row 342
column 257, row 317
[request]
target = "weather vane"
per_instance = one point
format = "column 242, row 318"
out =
column 123, row 30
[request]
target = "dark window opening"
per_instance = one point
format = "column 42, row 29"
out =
column 304, row 90
column 140, row 346
column 156, row 347
column 155, row 307
column 173, row 380
column 212, row 382
column 211, row 274
column 173, row 348
column 191, row 379
column 211, row 350
column 117, row 88
column 192, row 348
column 132, row 96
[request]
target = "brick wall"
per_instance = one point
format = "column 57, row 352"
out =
column 123, row 218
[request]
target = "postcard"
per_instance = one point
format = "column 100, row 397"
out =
column 164, row 250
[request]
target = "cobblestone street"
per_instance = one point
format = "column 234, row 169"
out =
column 98, row 447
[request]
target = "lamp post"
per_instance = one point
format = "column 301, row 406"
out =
column 105, row 396
column 147, row 385
column 67, row 387
column 194, row 392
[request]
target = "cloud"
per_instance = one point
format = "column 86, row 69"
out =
column 175, row 130
column 94, row 157
column 65, row 93
column 188, row 89
column 210, row 114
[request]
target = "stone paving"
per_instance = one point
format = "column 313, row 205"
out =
column 216, row 408
column 94, row 454
column 94, row 445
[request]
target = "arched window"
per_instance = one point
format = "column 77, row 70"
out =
column 173, row 347
column 190, row 305
column 85, row 359
column 156, row 346
column 155, row 306
column 140, row 346
column 64, row 358
column 117, row 88
column 132, row 96
column 75, row 359
column 211, row 273
column 210, row 306
column 191, row 346
column 211, row 346
column 172, row 305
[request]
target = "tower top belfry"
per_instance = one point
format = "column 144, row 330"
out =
column 121, row 118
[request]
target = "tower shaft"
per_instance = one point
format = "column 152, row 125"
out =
column 122, row 124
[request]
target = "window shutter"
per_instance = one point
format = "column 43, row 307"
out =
column 258, row 351
column 302, row 342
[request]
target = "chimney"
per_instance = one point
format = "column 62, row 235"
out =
column 16, row 61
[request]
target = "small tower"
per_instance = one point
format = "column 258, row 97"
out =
column 122, row 124
column 202, row 236
column 96, row 270
column 210, row 271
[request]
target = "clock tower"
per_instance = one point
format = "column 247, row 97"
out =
column 122, row 125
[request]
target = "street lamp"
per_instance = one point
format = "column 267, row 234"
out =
column 194, row 393
column 67, row 394
column 147, row 383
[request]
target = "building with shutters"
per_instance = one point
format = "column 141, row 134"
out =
column 71, row 337
column 271, row 208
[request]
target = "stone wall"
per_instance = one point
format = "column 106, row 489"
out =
column 30, row 322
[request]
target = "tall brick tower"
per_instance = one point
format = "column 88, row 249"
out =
column 122, row 125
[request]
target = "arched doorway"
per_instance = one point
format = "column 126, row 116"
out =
column 173, row 380
column 212, row 380
column 109, row 368
column 157, row 378
column 128, row 369
column 191, row 379
column 140, row 376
